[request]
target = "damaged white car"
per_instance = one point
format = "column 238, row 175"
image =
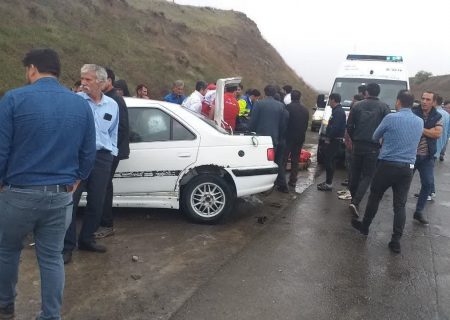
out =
column 180, row 159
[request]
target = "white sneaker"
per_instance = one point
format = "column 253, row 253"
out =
column 345, row 196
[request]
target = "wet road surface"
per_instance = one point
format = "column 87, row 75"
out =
column 311, row 264
column 175, row 257
column 277, row 257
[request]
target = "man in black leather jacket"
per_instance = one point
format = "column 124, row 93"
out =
column 365, row 116
column 335, row 133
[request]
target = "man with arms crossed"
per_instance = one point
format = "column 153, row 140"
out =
column 47, row 145
column 427, row 148
column 400, row 134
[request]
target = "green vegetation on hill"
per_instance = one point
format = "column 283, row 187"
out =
column 143, row 41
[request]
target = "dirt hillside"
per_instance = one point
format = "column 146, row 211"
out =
column 438, row 84
column 143, row 41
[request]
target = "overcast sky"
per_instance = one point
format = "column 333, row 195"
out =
column 314, row 37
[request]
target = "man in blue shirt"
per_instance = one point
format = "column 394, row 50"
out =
column 400, row 134
column 176, row 96
column 106, row 118
column 47, row 145
column 442, row 141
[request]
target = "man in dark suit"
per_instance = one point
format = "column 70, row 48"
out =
column 269, row 118
column 295, row 133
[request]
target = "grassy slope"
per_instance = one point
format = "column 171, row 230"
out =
column 152, row 42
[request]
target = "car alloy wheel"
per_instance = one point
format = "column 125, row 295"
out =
column 207, row 198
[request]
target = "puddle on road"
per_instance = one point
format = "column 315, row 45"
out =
column 306, row 177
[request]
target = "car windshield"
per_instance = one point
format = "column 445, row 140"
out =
column 347, row 88
column 210, row 122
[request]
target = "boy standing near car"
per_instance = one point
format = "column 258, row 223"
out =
column 334, row 135
column 47, row 145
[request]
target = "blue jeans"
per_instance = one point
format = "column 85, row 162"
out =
column 425, row 166
column 47, row 215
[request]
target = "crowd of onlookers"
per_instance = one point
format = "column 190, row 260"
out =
column 384, row 150
column 55, row 145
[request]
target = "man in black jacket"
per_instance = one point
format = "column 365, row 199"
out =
column 334, row 135
column 295, row 134
column 365, row 116
column 107, row 223
column 269, row 118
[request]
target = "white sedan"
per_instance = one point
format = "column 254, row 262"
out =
column 180, row 159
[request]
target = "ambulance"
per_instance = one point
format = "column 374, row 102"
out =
column 389, row 72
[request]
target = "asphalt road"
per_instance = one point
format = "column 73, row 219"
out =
column 277, row 256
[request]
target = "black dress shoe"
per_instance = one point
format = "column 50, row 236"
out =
column 394, row 246
column 67, row 257
column 324, row 187
column 419, row 217
column 359, row 226
column 91, row 246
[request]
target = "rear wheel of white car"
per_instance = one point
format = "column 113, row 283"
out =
column 207, row 198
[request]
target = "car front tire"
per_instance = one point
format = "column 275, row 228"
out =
column 207, row 198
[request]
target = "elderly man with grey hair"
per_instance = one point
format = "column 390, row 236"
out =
column 177, row 95
column 106, row 118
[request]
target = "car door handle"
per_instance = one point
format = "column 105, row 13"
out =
column 184, row 155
